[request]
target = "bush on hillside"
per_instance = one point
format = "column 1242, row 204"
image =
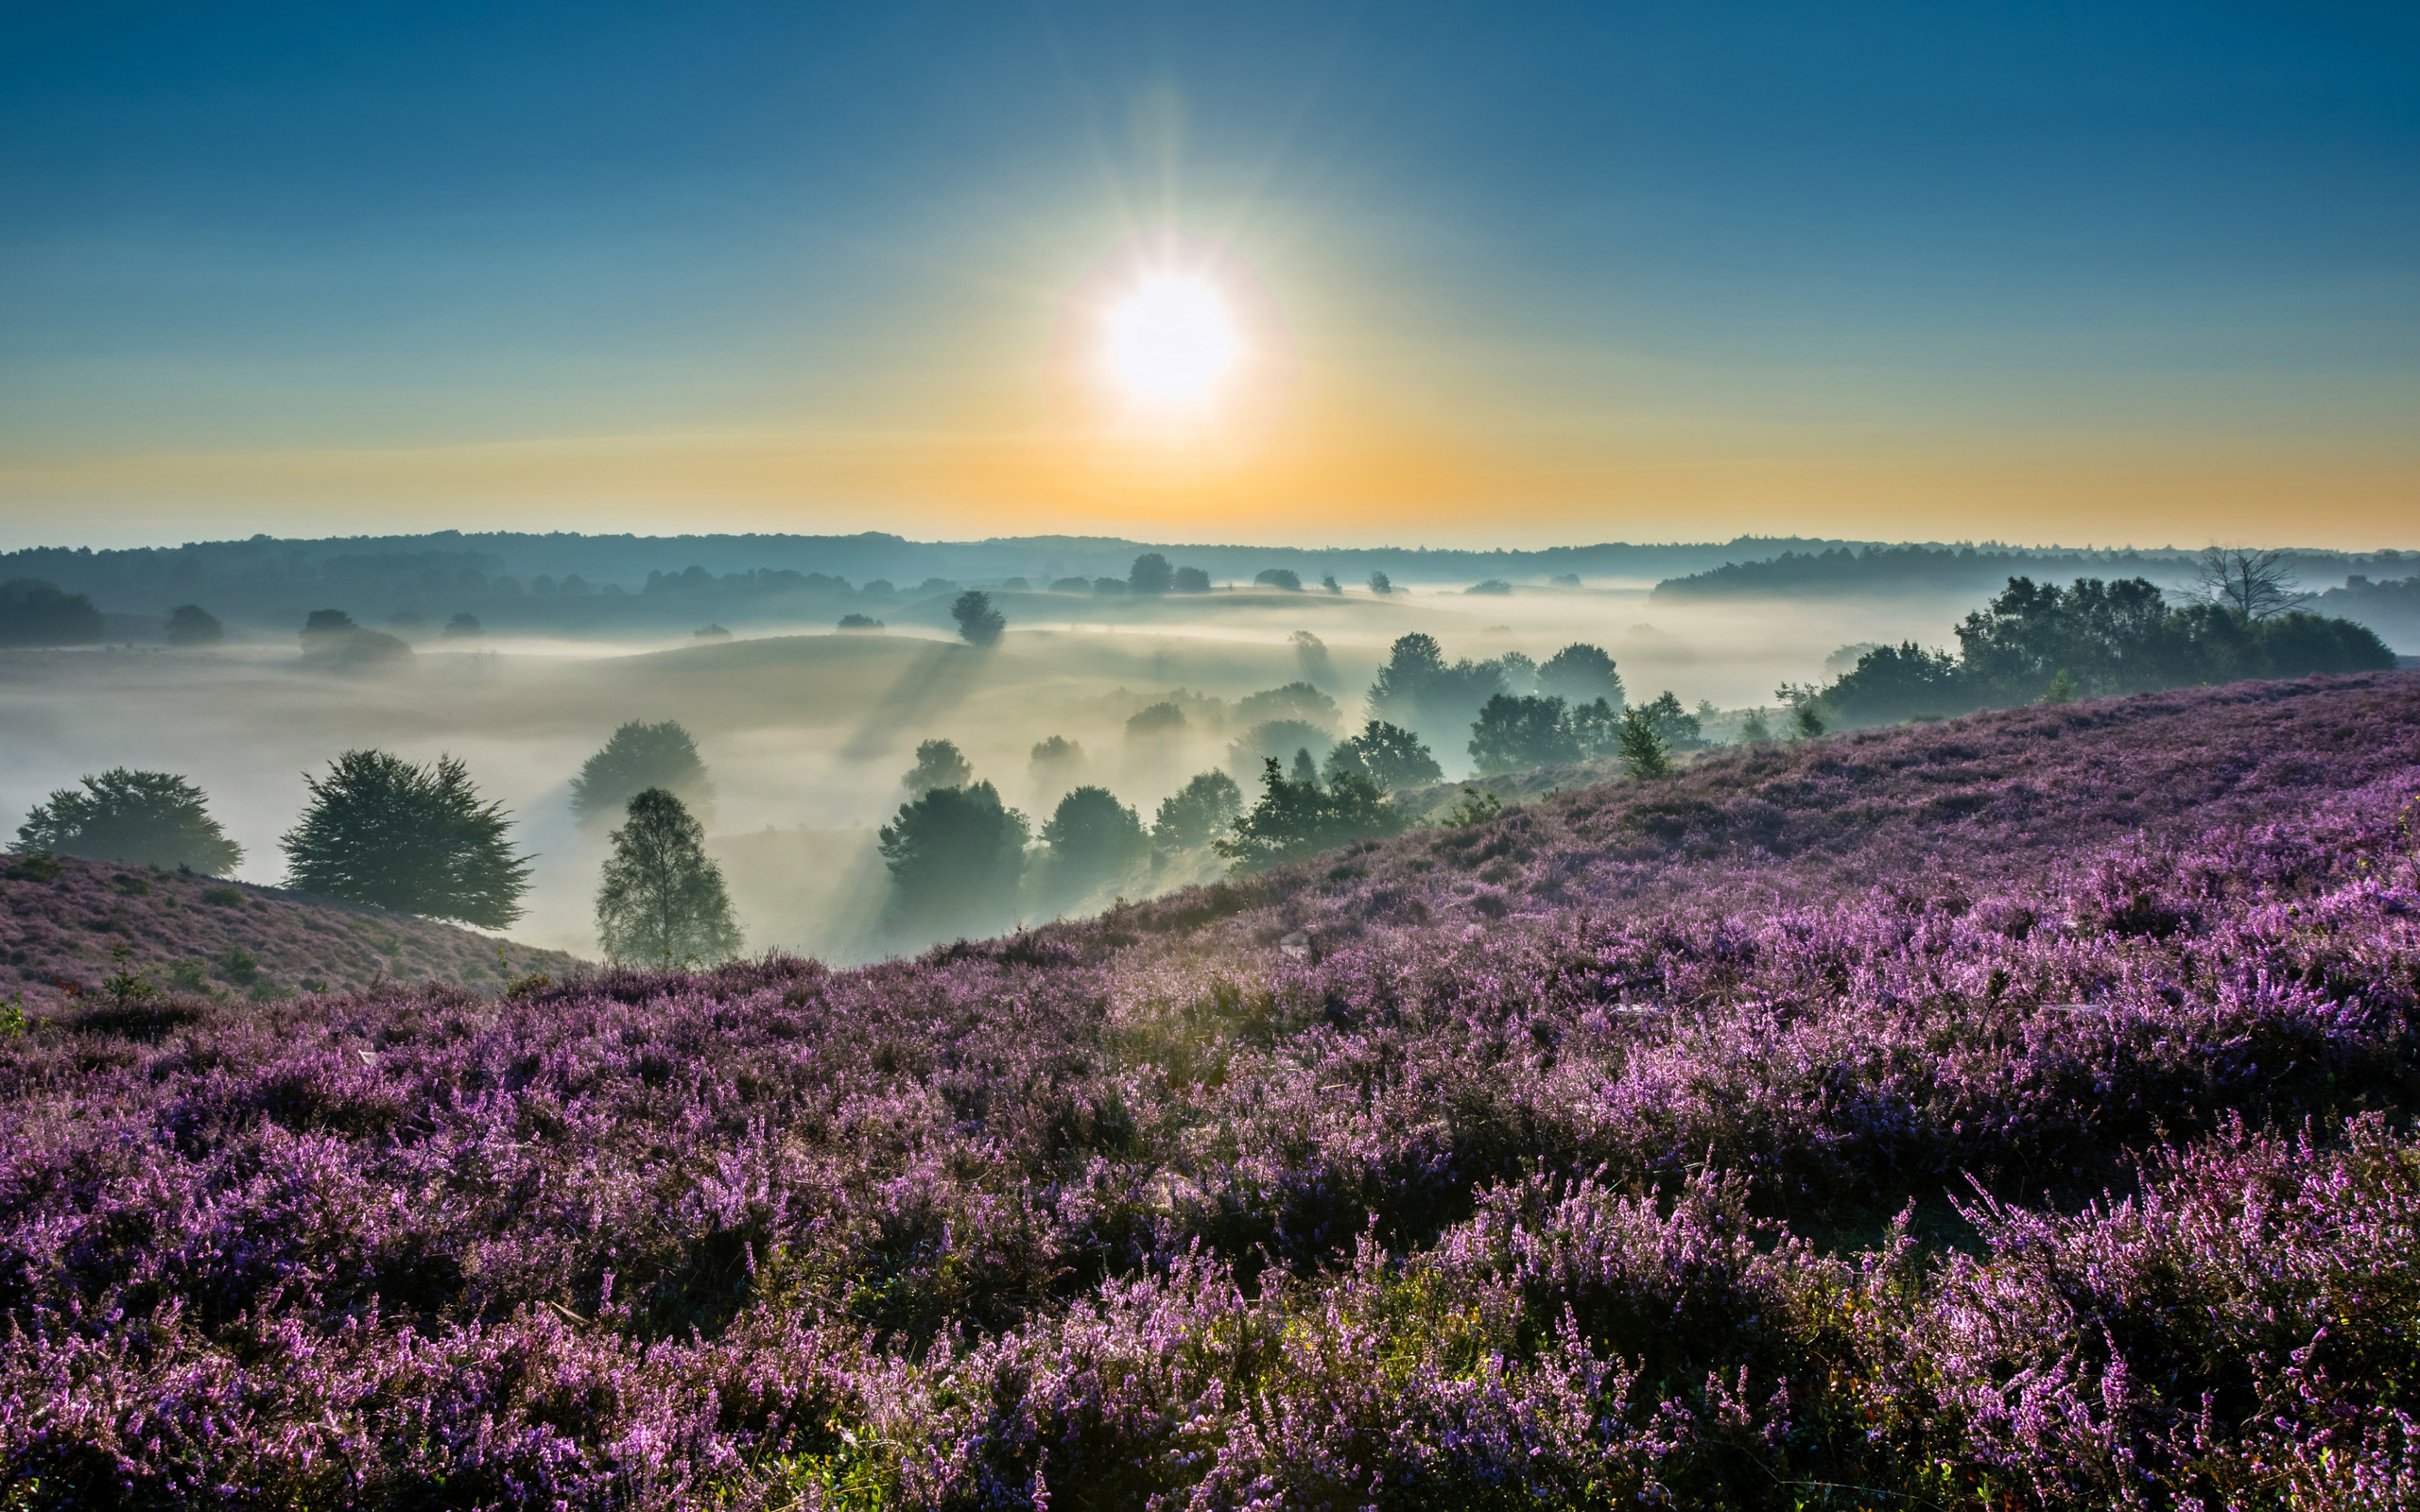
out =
column 144, row 818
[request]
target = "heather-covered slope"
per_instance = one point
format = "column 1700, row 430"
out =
column 64, row 921
column 1728, row 1142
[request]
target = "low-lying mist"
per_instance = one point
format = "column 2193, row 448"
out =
column 808, row 734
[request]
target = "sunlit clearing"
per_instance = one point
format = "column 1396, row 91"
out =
column 1171, row 343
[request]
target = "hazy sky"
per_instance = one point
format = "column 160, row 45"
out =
column 1501, row 273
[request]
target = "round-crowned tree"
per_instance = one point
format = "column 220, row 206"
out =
column 978, row 621
column 638, row 756
column 417, row 839
column 939, row 763
column 192, row 625
column 1580, row 673
column 1150, row 573
column 1198, row 813
column 144, row 818
column 663, row 898
column 1094, row 839
column 955, row 856
column 1386, row 754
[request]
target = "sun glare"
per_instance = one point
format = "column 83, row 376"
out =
column 1169, row 343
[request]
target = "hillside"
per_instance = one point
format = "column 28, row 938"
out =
column 199, row 937
column 2011, row 1111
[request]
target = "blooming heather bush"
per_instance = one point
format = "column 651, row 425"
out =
column 2005, row 1113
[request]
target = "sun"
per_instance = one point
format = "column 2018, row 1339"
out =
column 1169, row 344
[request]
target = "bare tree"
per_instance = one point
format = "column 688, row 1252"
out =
column 2256, row 584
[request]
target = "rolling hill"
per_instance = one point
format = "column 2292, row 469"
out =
column 2009, row 1112
column 64, row 922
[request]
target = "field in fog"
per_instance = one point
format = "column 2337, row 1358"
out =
column 807, row 734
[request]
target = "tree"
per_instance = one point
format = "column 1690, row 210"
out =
column 640, row 756
column 332, row 642
column 192, row 625
column 1296, row 819
column 1581, row 673
column 1273, row 737
column 2257, row 585
column 938, row 765
column 1159, row 720
column 1054, row 758
column 1295, row 700
column 1094, row 839
column 1381, row 584
column 463, row 627
column 1197, row 813
column 1419, row 690
column 1310, row 656
column 1753, row 729
column 1596, row 726
column 1894, row 682
column 33, row 612
column 1150, row 573
column 1412, row 662
column 1680, row 728
column 1285, row 578
column 142, row 818
column 1190, row 580
column 1330, row 583
column 979, row 623
column 955, row 856
column 380, row 830
column 1642, row 748
column 1806, row 709
column 662, row 899
column 1386, row 754
column 1512, row 734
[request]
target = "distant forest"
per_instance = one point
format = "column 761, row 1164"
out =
column 574, row 584
column 1850, row 570
column 583, row 584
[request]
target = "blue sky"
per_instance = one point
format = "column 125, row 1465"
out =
column 1524, row 273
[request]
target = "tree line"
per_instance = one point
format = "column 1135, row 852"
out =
column 2037, row 641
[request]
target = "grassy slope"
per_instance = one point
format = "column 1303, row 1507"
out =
column 58, row 938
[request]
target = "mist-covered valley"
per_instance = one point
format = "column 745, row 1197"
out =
column 806, row 730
